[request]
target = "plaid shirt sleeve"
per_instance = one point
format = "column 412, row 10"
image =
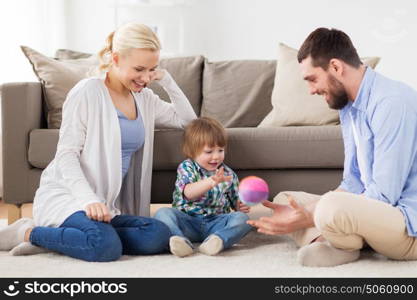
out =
column 186, row 173
column 233, row 194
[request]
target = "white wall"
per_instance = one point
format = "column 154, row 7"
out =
column 39, row 24
column 89, row 23
column 217, row 29
column 235, row 29
column 247, row 29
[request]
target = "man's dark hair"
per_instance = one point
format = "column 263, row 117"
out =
column 324, row 44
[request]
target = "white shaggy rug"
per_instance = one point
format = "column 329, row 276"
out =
column 256, row 255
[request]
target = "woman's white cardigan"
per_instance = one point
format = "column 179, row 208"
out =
column 87, row 164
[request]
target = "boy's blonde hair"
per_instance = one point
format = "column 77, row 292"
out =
column 128, row 36
column 201, row 132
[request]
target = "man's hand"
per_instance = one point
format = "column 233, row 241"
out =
column 285, row 219
column 98, row 212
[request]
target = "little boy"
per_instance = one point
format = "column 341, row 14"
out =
column 206, row 190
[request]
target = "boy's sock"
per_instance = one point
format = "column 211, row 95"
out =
column 180, row 246
column 14, row 234
column 322, row 254
column 26, row 248
column 212, row 245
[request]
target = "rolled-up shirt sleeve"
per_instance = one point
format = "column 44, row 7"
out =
column 394, row 150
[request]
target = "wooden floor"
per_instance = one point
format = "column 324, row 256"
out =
column 10, row 212
column 3, row 215
column 3, row 211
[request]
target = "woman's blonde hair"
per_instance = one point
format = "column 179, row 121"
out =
column 201, row 132
column 129, row 36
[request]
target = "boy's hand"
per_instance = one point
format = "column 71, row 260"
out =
column 219, row 177
column 242, row 207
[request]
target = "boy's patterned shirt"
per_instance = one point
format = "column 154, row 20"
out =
column 218, row 200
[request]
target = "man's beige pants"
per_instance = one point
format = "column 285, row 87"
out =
column 349, row 221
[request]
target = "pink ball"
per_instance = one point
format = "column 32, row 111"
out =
column 253, row 190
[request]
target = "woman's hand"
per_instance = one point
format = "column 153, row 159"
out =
column 158, row 74
column 98, row 212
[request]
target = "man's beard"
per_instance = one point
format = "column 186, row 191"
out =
column 338, row 97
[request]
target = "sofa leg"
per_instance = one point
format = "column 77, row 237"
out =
column 12, row 211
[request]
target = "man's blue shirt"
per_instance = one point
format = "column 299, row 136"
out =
column 385, row 117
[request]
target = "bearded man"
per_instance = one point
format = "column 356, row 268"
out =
column 376, row 202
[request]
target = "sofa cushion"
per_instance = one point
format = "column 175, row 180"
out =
column 292, row 103
column 238, row 93
column 285, row 147
column 264, row 148
column 58, row 76
column 248, row 148
column 70, row 54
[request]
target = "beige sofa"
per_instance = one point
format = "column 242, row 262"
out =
column 237, row 93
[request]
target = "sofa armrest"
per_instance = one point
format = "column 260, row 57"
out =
column 21, row 112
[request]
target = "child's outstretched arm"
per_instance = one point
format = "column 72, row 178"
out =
column 193, row 191
column 234, row 198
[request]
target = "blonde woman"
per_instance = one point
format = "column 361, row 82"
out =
column 103, row 162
